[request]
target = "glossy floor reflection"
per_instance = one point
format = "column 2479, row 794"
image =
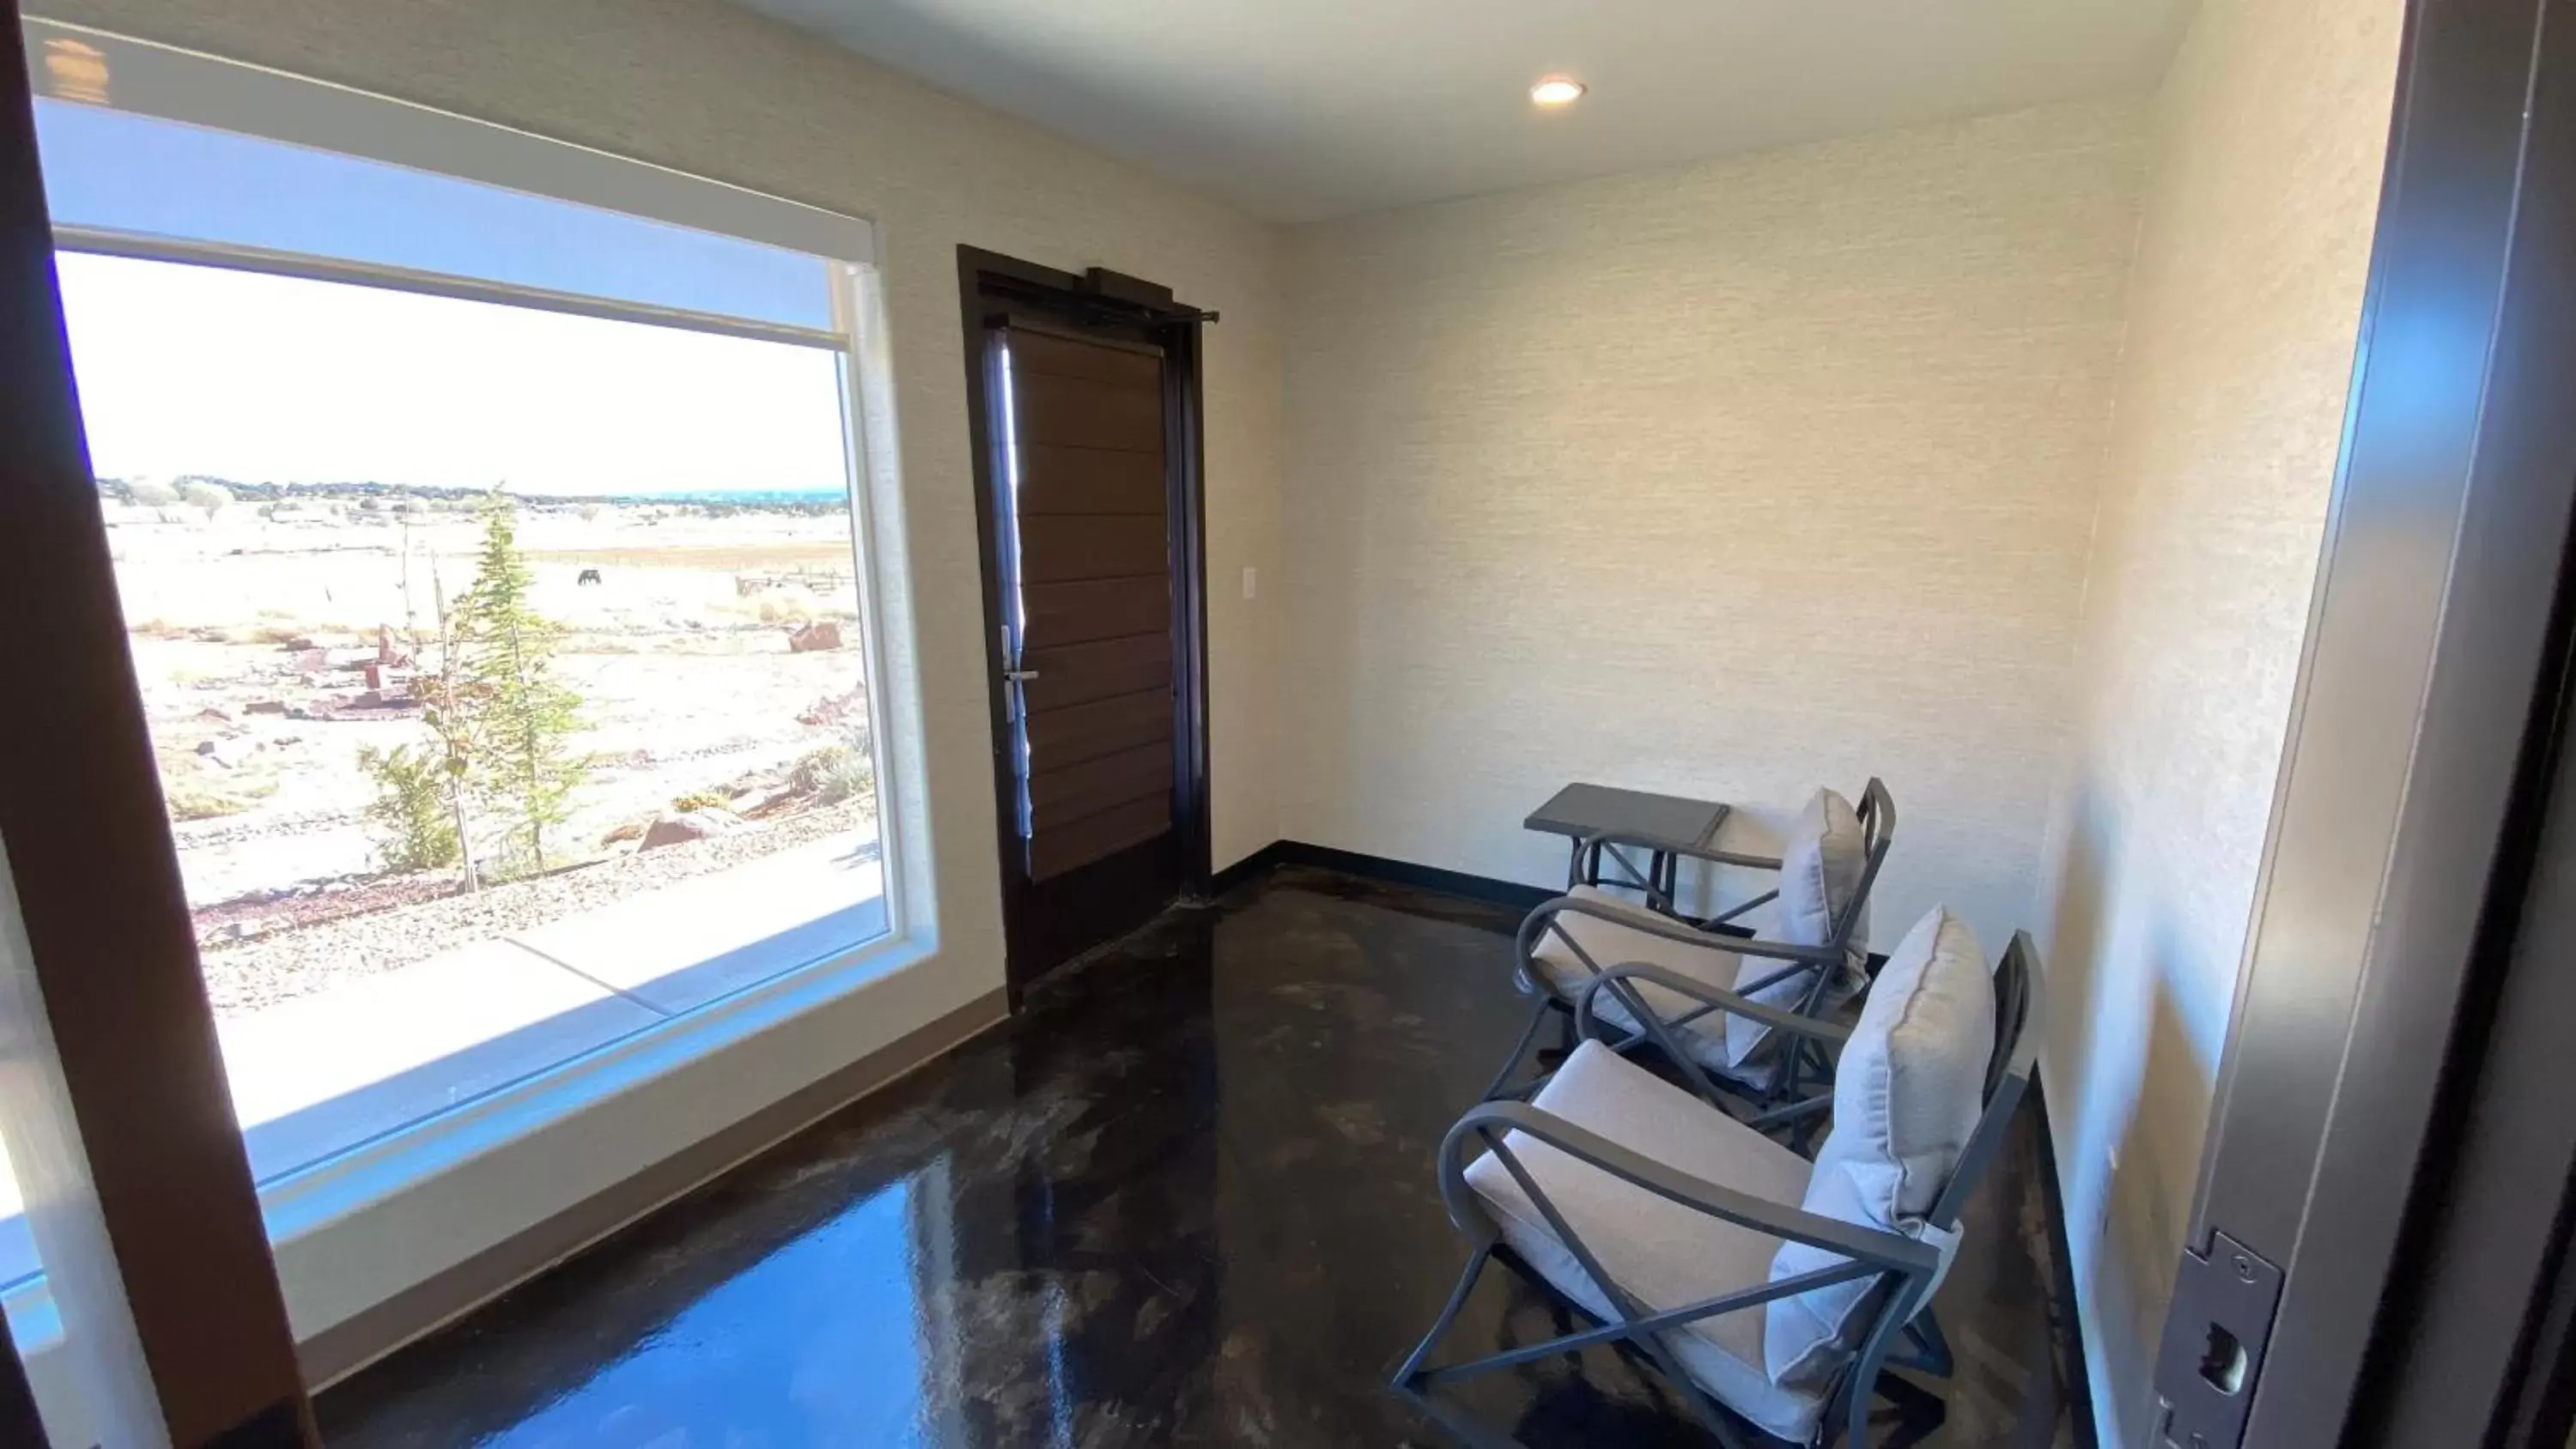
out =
column 1184, row 1198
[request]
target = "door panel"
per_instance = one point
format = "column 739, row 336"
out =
column 1058, row 479
column 1124, row 414
column 1100, row 609
column 1131, row 826
column 1085, row 564
column 1078, row 732
column 1057, row 353
column 1075, row 792
column 1080, row 673
column 1065, row 548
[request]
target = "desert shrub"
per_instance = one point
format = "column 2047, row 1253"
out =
column 837, row 772
column 785, row 608
column 207, row 498
column 410, row 811
column 701, row 800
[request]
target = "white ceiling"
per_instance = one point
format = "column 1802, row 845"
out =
column 1301, row 109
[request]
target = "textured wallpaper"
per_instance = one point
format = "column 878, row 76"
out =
column 2267, row 144
column 711, row 89
column 1731, row 480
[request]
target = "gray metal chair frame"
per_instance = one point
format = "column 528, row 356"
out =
column 1905, row 1270
column 1807, row 1062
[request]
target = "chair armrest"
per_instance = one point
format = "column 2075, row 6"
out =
column 1772, row 1219
column 1687, row 852
column 1714, row 997
column 1638, row 918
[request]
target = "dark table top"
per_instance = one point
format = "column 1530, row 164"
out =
column 1657, row 821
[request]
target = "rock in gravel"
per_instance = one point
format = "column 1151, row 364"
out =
column 751, row 803
column 687, row 825
column 821, row 634
column 227, row 754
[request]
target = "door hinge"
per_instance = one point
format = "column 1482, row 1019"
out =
column 2215, row 1335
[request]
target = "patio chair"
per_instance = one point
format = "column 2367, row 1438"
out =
column 1761, row 1285
column 1809, row 966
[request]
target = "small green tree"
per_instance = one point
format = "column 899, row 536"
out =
column 450, row 708
column 410, row 810
column 526, row 720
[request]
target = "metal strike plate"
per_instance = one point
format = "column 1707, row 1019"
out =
column 2215, row 1334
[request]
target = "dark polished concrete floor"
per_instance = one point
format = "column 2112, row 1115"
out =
column 1185, row 1197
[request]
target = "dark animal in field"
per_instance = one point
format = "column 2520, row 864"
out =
column 588, row 576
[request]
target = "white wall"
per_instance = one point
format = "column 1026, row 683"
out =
column 1731, row 480
column 2268, row 140
column 711, row 89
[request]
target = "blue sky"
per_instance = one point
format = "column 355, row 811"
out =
column 269, row 379
column 260, row 378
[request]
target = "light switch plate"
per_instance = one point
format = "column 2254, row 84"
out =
column 1250, row 580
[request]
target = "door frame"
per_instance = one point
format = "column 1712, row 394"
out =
column 137, row 1185
column 1177, row 328
column 2403, row 817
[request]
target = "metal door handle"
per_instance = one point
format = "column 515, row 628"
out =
column 1019, row 676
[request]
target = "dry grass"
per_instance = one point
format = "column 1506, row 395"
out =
column 204, row 799
column 820, row 555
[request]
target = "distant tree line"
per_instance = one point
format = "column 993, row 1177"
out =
column 157, row 493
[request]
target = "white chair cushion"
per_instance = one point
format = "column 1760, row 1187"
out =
column 1907, row 1095
column 1611, row 943
column 1820, row 871
column 1660, row 1253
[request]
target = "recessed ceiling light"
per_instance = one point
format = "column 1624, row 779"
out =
column 1557, row 91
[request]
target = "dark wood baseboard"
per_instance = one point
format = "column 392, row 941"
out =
column 1378, row 867
column 1252, row 867
column 1402, row 872
column 2061, row 1280
column 348, row 1346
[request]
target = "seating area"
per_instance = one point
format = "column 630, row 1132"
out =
column 1704, row 992
column 779, row 723
column 1677, row 1212
column 1193, row 1194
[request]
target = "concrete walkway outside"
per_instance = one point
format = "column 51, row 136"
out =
column 320, row 1074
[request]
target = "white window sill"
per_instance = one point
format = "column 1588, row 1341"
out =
column 406, row 1204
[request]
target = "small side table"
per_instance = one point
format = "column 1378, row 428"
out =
column 1662, row 825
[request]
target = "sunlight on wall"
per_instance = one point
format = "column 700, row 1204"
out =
column 2243, row 308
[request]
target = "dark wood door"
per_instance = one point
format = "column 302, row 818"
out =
column 1083, row 562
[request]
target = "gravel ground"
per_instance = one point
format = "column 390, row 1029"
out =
column 281, row 965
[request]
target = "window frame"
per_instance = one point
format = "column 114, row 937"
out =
column 355, row 1230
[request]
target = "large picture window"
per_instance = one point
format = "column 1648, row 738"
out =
column 496, row 578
